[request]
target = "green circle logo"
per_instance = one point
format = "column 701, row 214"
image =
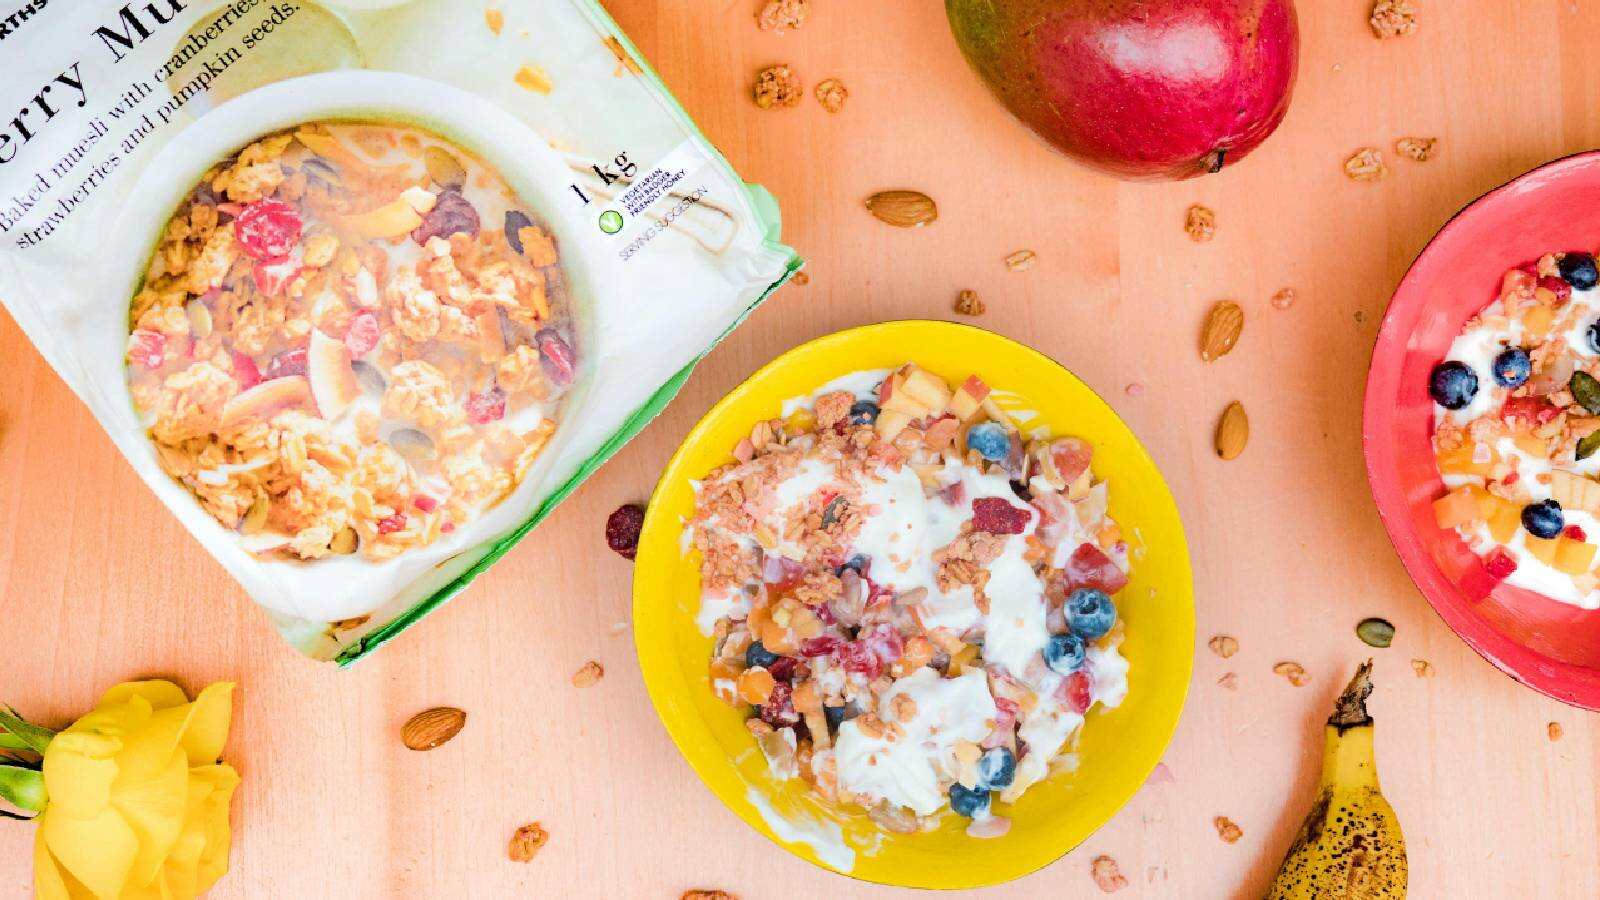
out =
column 611, row 221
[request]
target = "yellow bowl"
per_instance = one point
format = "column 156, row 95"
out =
column 1119, row 747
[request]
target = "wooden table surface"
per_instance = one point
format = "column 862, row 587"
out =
column 100, row 584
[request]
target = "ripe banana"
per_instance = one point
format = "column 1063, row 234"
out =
column 1350, row 846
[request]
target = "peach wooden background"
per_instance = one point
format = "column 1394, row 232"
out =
column 100, row 584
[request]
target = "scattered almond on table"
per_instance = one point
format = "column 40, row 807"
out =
column 1419, row 149
column 1200, row 223
column 700, row 894
column 1393, row 18
column 1554, row 730
column 1223, row 645
column 527, row 841
column 1283, row 299
column 1107, row 874
column 1294, row 672
column 1221, row 332
column 1227, row 830
column 1422, row 668
column 1233, row 431
column 1229, row 680
column 589, row 675
column 432, row 727
column 831, row 94
column 1134, row 389
column 1021, row 261
column 903, row 209
column 968, row 303
column 777, row 86
column 1366, row 164
column 783, row 15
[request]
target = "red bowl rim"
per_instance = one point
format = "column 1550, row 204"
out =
column 1572, row 684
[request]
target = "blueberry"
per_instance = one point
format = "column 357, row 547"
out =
column 863, row 412
column 758, row 655
column 990, row 440
column 1512, row 367
column 857, row 562
column 1064, row 653
column 1023, row 492
column 1452, row 384
column 1543, row 519
column 834, row 715
column 996, row 768
column 969, row 803
column 1578, row 270
column 1090, row 613
column 1594, row 335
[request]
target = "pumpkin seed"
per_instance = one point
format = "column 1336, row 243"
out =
column 443, row 168
column 1375, row 632
column 412, row 444
column 367, row 374
column 1586, row 390
column 1589, row 444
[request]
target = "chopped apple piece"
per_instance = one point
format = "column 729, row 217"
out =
column 1459, row 461
column 1543, row 550
column 969, row 398
column 928, row 390
column 941, row 432
column 890, row 423
column 420, row 199
column 1459, row 507
column 1575, row 491
column 391, row 220
column 265, row 399
column 1574, row 557
column 333, row 381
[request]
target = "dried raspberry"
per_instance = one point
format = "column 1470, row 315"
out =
column 1575, row 532
column 787, row 668
column 362, row 335
column 559, row 362
column 1075, row 691
column 289, row 362
column 425, row 503
column 858, row 657
column 391, row 524
column 245, row 371
column 270, row 277
column 451, row 213
column 1089, row 566
column 147, row 349
column 1511, row 479
column 623, row 527
column 447, row 527
column 996, row 516
column 489, row 406
column 1555, row 285
column 820, row 646
column 267, row 229
column 1499, row 564
column 885, row 642
column 779, row 711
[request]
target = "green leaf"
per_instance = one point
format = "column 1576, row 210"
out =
column 22, row 788
column 9, row 741
column 32, row 737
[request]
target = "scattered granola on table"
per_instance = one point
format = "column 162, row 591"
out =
column 910, row 599
column 708, row 895
column 1229, row 680
column 831, row 94
column 1021, row 261
column 801, row 278
column 1393, row 18
column 588, row 675
column 1554, row 731
column 1422, row 668
column 1227, row 830
column 350, row 339
column 1293, row 672
column 1416, row 148
column 1107, row 874
column 1365, row 164
column 527, row 841
column 1200, row 223
column 778, row 86
column 968, row 303
column 1283, row 299
column 783, row 15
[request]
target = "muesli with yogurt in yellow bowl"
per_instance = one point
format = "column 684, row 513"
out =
column 910, row 600
column 350, row 339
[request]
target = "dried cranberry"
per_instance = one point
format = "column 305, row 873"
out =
column 996, row 515
column 1089, row 566
column 147, row 349
column 788, row 668
column 245, row 371
column 1555, row 285
column 391, row 524
column 857, row 656
column 885, row 642
column 451, row 213
column 559, row 362
column 447, row 527
column 1511, row 479
column 270, row 277
column 1075, row 691
column 363, row 333
column 820, row 646
column 1499, row 564
column 485, row 407
column 289, row 362
column 623, row 527
column 1575, row 532
column 425, row 503
column 267, row 229
column 779, row 711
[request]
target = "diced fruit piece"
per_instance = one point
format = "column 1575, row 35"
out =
column 1457, row 508
column 267, row 230
column 391, row 220
column 1499, row 564
column 486, row 406
column 391, row 524
column 1533, row 410
column 1574, row 491
column 990, row 440
column 1536, row 322
column 1551, row 289
column 363, row 333
column 333, row 382
column 245, row 371
column 147, row 349
column 1574, row 557
column 1071, row 457
column 1517, row 285
column 890, row 423
column 1459, row 461
column 756, row 685
column 1076, row 693
column 1452, row 384
column 1512, row 367
column 927, row 389
column 1535, row 447
column 996, row 515
column 1089, row 566
column 1578, row 269
column 270, row 277
column 1543, row 519
column 800, row 421
column 265, row 399
column 420, row 199
column 1504, row 521
column 1542, row 549
column 1575, row 532
column 969, row 399
column 941, row 433
column 559, row 362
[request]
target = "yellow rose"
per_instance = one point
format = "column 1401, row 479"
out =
column 137, row 804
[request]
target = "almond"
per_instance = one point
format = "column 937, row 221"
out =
column 1222, row 329
column 1233, row 431
column 432, row 727
column 903, row 209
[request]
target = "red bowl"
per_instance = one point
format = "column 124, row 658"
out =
column 1550, row 646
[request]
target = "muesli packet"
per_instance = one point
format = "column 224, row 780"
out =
column 120, row 108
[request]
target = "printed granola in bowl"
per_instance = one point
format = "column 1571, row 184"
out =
column 910, row 600
column 350, row 339
column 1517, row 426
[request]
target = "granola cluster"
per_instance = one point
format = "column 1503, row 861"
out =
column 909, row 599
column 339, row 348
